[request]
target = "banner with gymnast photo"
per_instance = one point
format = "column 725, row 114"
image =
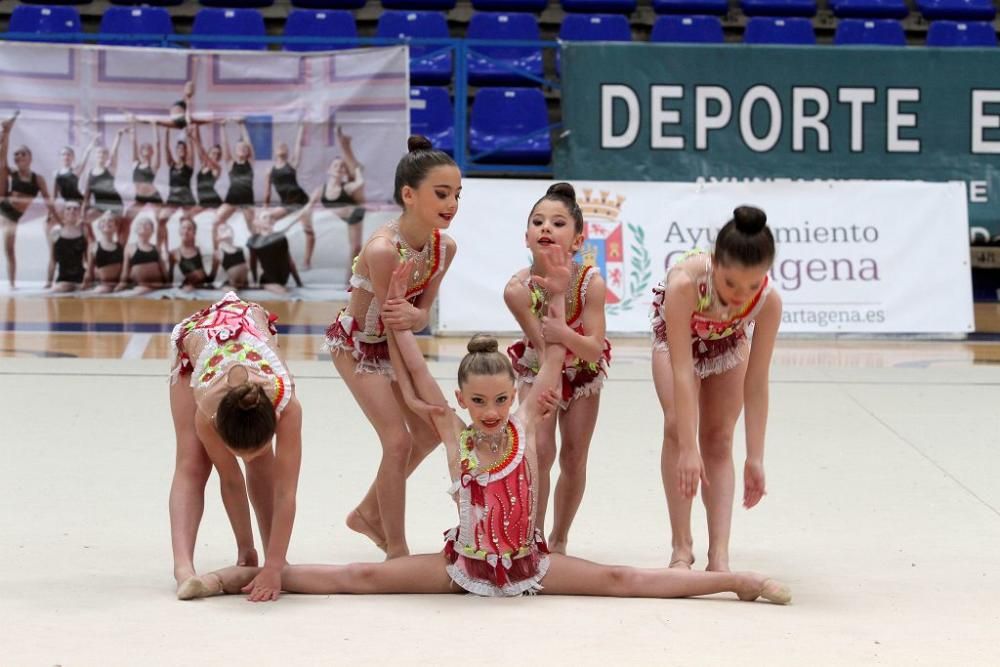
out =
column 180, row 173
column 852, row 256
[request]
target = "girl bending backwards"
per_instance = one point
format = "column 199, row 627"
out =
column 270, row 248
column 239, row 396
column 427, row 186
column 495, row 550
column 556, row 221
column 706, row 312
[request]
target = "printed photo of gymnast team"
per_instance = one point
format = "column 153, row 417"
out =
column 185, row 213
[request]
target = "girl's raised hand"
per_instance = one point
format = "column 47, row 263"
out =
column 557, row 266
column 399, row 280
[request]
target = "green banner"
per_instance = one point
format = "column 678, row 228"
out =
column 738, row 112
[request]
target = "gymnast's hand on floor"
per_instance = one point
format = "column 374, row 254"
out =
column 265, row 587
column 753, row 483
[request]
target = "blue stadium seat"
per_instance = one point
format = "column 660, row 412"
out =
column 329, row 4
column 499, row 119
column 598, row 6
column 509, row 5
column 875, row 32
column 961, row 33
column 44, row 20
column 688, row 29
column 958, row 10
column 237, row 4
column 148, row 3
column 778, row 7
column 57, row 2
column 126, row 21
column 412, row 5
column 768, row 30
column 483, row 71
column 244, row 22
column 870, row 9
column 693, row 7
column 320, row 23
column 424, row 69
column 432, row 115
column 595, row 28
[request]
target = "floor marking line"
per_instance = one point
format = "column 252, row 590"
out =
column 927, row 457
column 137, row 345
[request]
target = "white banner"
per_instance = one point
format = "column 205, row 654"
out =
column 853, row 256
column 161, row 131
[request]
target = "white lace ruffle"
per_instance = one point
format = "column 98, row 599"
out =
column 486, row 588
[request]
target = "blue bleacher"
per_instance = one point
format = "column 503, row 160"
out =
column 237, row 4
column 499, row 119
column 688, row 29
column 871, row 32
column 416, row 5
column 432, row 115
column 599, row 6
column 320, row 23
column 778, row 7
column 595, row 28
column 691, row 7
column 489, row 25
column 769, row 30
column 126, row 21
column 329, row 4
column 44, row 20
column 961, row 33
column 57, row 2
column 426, row 67
column 957, row 10
column 148, row 3
column 509, row 5
column 212, row 21
column 870, row 9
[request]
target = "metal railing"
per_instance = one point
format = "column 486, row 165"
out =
column 461, row 50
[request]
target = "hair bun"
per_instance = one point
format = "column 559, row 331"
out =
column 749, row 219
column 249, row 395
column 418, row 142
column 482, row 343
column 562, row 190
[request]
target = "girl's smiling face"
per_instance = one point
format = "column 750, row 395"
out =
column 435, row 200
column 488, row 398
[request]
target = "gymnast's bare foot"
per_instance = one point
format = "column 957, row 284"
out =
column 718, row 563
column 357, row 522
column 758, row 586
column 247, row 556
column 681, row 558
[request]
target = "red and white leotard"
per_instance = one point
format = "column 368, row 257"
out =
column 716, row 345
column 358, row 328
column 230, row 333
column 495, row 550
column 579, row 377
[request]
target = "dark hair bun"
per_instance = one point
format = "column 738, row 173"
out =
column 482, row 343
column 249, row 395
column 749, row 219
column 562, row 190
column 418, row 142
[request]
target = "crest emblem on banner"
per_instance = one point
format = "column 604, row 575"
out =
column 626, row 275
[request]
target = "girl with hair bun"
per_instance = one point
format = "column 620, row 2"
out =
column 557, row 221
column 427, row 187
column 495, row 550
column 706, row 313
column 230, row 396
